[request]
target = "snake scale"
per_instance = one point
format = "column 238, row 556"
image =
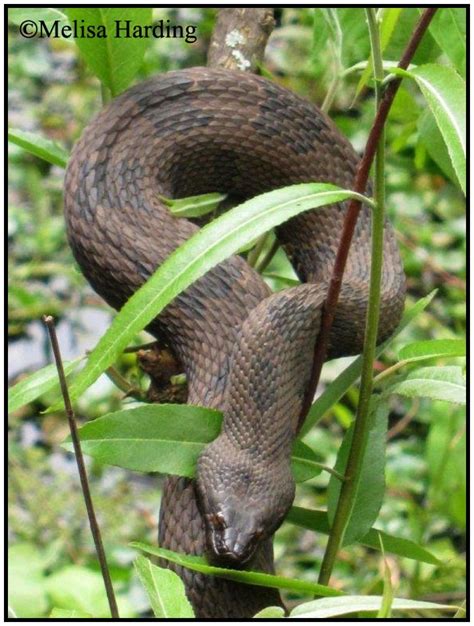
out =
column 245, row 351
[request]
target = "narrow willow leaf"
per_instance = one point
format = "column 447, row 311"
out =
column 334, row 392
column 448, row 28
column 318, row 521
column 331, row 607
column 371, row 487
column 432, row 348
column 438, row 383
column 34, row 386
column 260, row 579
column 194, row 206
column 461, row 612
column 43, row 148
column 208, row 247
column 445, row 93
column 285, row 280
column 167, row 438
column 116, row 58
column 385, row 611
column 165, row 590
column 69, row 614
column 270, row 612
column 326, row 33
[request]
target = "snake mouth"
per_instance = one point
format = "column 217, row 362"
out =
column 229, row 549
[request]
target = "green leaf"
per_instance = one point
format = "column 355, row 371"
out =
column 305, row 463
column 34, row 386
column 331, row 607
column 371, row 486
column 270, row 612
column 334, row 392
column 194, row 206
column 433, row 348
column 116, row 58
column 461, row 612
column 438, row 383
column 208, row 247
column 445, row 460
column 69, row 614
column 326, row 32
column 432, row 139
column 165, row 590
column 445, row 93
column 260, row 579
column 448, row 28
column 167, row 438
column 43, row 148
column 385, row 611
column 78, row 588
column 26, row 581
column 318, row 521
column 48, row 16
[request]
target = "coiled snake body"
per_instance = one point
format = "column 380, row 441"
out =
column 245, row 351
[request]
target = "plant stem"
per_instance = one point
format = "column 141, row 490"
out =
column 123, row 384
column 94, row 526
column 254, row 254
column 268, row 256
column 349, row 488
column 362, row 175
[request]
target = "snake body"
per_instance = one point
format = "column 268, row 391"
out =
column 245, row 351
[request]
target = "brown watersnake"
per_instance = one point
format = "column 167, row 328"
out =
column 245, row 351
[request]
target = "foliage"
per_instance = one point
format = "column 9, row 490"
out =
column 325, row 54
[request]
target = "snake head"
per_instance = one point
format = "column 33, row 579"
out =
column 234, row 533
column 243, row 501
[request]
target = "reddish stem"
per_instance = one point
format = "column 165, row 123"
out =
column 360, row 183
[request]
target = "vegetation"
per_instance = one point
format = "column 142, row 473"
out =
column 401, row 544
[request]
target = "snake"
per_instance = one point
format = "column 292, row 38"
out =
column 245, row 350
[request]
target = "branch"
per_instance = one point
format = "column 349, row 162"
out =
column 94, row 526
column 239, row 38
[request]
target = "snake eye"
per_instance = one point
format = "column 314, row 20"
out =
column 258, row 533
column 220, row 521
column 217, row 521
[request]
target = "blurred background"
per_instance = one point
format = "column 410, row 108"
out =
column 52, row 93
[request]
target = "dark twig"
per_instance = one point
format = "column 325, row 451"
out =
column 95, row 530
column 360, row 183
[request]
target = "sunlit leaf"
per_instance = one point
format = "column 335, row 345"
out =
column 332, row 607
column 35, row 385
column 116, row 58
column 371, row 486
column 165, row 590
column 445, row 93
column 199, row 564
column 438, row 383
column 432, row 348
column 194, row 206
column 41, row 147
column 318, row 521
